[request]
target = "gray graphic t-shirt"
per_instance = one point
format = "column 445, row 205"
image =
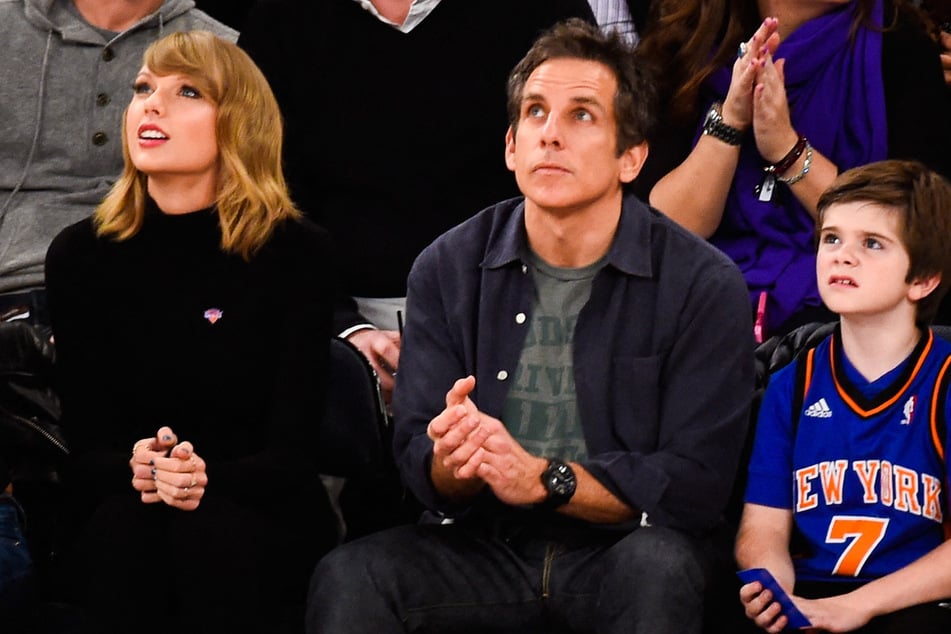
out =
column 541, row 410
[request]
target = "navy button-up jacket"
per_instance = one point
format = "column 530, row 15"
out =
column 663, row 357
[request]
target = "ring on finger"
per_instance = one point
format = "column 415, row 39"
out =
column 741, row 51
column 194, row 481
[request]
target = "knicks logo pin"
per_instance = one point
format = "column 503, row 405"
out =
column 213, row 315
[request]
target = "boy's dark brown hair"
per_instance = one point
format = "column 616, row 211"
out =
column 922, row 200
column 636, row 98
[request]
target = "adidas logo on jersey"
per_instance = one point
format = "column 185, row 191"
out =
column 819, row 409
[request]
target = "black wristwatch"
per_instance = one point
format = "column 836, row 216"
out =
column 560, row 482
column 714, row 126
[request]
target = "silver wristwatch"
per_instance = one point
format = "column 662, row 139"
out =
column 714, row 126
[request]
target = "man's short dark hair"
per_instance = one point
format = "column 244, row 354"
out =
column 635, row 101
column 922, row 200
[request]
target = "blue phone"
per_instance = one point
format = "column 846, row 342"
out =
column 796, row 619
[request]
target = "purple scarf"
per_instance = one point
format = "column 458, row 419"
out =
column 837, row 100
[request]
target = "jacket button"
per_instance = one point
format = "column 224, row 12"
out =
column 102, row 99
column 108, row 54
column 502, row 375
column 100, row 138
column 520, row 318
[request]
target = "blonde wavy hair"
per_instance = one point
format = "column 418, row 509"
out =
column 252, row 193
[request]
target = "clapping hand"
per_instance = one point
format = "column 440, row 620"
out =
column 476, row 447
column 750, row 60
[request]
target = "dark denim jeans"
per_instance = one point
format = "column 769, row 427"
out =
column 456, row 578
column 16, row 565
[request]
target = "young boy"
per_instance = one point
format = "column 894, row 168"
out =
column 846, row 500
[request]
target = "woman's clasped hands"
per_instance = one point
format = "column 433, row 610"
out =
column 757, row 94
column 164, row 470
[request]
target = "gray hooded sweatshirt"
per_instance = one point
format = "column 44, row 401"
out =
column 63, row 88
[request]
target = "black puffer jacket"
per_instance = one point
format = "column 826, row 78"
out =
column 31, row 442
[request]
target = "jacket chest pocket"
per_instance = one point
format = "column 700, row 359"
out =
column 635, row 395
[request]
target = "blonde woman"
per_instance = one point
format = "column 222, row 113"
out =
column 191, row 315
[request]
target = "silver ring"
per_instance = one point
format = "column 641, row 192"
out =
column 186, row 491
column 741, row 51
column 194, row 480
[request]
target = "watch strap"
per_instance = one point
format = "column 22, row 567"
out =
column 715, row 127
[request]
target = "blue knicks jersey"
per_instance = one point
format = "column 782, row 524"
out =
column 867, row 473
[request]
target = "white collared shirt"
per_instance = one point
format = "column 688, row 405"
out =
column 417, row 13
column 614, row 15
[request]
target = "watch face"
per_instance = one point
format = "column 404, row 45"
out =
column 560, row 480
column 557, row 486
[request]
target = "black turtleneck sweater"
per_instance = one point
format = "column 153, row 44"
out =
column 166, row 329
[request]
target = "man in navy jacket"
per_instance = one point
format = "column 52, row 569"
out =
column 573, row 393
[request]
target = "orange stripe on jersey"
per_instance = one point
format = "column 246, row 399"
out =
column 883, row 406
column 810, row 360
column 936, row 396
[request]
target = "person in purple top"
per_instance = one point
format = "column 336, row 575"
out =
column 772, row 118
